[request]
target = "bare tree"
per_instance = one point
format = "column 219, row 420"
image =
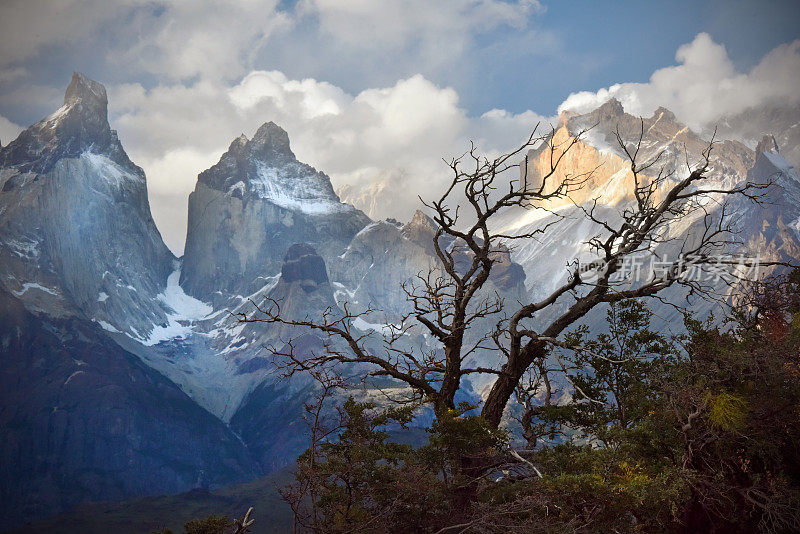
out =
column 451, row 299
column 302, row 497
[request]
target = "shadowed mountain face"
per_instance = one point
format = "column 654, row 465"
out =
column 82, row 419
column 80, row 125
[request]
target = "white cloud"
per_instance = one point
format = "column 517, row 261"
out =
column 705, row 85
column 397, row 133
column 25, row 28
column 432, row 32
column 311, row 98
column 170, row 179
column 206, row 37
column 184, row 39
column 8, row 130
column 11, row 74
column 174, row 39
column 398, row 22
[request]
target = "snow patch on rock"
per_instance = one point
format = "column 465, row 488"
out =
column 298, row 189
column 103, row 166
column 185, row 311
column 33, row 285
column 107, row 327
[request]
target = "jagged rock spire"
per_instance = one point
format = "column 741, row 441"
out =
column 80, row 125
column 87, row 95
column 272, row 142
column 767, row 144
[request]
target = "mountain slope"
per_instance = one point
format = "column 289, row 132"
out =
column 81, row 260
column 81, row 419
column 762, row 230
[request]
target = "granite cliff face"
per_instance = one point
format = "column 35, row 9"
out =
column 766, row 229
column 75, row 225
column 599, row 160
column 249, row 208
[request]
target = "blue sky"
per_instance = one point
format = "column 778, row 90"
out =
column 371, row 91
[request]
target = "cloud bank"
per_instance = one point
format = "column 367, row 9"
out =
column 705, row 86
column 397, row 133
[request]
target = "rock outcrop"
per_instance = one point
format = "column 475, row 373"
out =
column 75, row 225
column 250, row 207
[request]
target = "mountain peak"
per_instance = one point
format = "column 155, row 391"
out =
column 239, row 144
column 420, row 230
column 664, row 113
column 767, row 144
column 80, row 125
column 86, row 90
column 270, row 140
column 612, row 108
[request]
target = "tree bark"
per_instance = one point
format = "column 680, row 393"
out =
column 508, row 379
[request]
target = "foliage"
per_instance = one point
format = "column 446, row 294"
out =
column 692, row 434
column 213, row 524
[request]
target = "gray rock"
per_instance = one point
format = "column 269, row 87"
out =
column 250, row 207
column 75, row 225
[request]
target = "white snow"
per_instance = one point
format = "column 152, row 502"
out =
column 33, row 285
column 796, row 227
column 596, row 139
column 183, row 305
column 107, row 327
column 341, row 294
column 109, row 170
column 364, row 326
column 295, row 187
column 23, row 249
column 185, row 311
column 53, row 119
column 73, row 375
column 102, row 296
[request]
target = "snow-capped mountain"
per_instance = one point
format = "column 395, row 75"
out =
column 80, row 260
column 75, row 225
column 110, row 343
column 250, row 207
column 765, row 229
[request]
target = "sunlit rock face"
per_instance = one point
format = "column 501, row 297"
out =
column 599, row 166
column 248, row 209
column 767, row 230
column 75, row 222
